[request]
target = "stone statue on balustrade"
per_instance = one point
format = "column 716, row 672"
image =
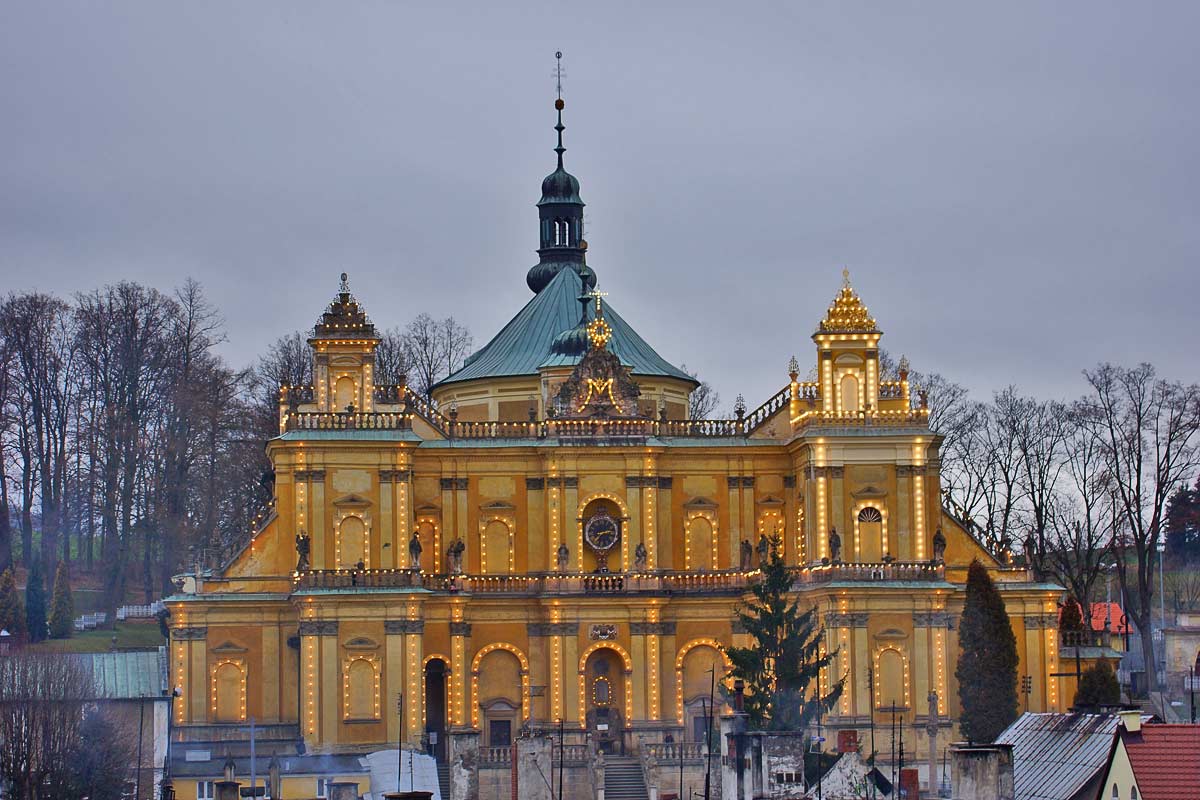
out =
column 562, row 556
column 639, row 557
column 835, row 546
column 939, row 546
column 764, row 548
column 414, row 550
column 746, row 556
column 303, row 546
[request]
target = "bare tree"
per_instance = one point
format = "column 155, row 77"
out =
column 1079, row 518
column 456, row 344
column 704, row 399
column 392, row 361
column 1148, row 429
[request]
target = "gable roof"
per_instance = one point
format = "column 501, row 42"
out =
column 1056, row 755
column 125, row 675
column 1165, row 760
column 523, row 345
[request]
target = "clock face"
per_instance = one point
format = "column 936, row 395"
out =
column 601, row 531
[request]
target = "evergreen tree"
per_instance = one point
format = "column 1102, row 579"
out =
column 780, row 667
column 62, row 605
column 35, row 602
column 1098, row 687
column 987, row 663
column 12, row 610
column 1071, row 619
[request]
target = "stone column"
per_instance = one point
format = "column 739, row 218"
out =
column 403, row 674
column 460, row 635
column 189, row 658
column 322, row 551
column 634, row 530
column 663, row 524
column 319, row 660
column 539, row 673
column 657, row 692
column 462, row 754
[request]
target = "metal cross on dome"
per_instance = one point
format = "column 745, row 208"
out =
column 596, row 295
column 558, row 72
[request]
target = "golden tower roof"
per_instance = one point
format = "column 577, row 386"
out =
column 847, row 314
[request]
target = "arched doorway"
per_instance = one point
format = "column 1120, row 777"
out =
column 604, row 683
column 436, row 671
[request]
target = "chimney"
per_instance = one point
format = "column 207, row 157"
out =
column 1132, row 720
column 228, row 790
column 982, row 772
column 343, row 790
column 739, row 698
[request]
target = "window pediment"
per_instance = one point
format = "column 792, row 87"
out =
column 891, row 634
column 869, row 491
column 497, row 507
column 700, row 504
column 227, row 648
column 352, row 501
column 361, row 643
column 770, row 501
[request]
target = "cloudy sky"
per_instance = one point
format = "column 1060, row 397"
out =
column 1015, row 187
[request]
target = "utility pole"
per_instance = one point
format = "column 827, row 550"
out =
column 561, row 758
column 399, row 738
column 253, row 770
column 712, row 688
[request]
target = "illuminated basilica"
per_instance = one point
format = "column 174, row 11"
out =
column 549, row 539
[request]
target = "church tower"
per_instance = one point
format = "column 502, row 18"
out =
column 343, row 346
column 560, row 215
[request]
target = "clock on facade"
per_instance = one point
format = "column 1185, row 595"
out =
column 602, row 531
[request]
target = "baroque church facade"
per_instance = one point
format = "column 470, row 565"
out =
column 548, row 542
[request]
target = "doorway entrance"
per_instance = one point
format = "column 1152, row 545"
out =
column 435, row 708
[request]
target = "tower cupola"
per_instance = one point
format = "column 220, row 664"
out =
column 560, row 216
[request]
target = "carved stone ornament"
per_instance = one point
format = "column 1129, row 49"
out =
column 600, row 386
column 318, row 627
column 1041, row 622
column 934, row 619
column 552, row 628
column 460, row 629
column 652, row 628
column 604, row 632
column 397, row 626
column 192, row 634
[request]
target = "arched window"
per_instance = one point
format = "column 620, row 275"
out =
column 496, row 549
column 850, row 403
column 870, row 535
column 361, row 690
column 351, row 541
column 343, row 393
column 229, row 686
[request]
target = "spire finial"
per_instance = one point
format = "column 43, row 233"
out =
column 846, row 277
column 558, row 105
column 344, row 286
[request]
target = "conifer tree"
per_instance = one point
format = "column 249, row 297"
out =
column 12, row 610
column 1098, row 686
column 35, row 602
column 62, row 605
column 987, row 663
column 780, row 667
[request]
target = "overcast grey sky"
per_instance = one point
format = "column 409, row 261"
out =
column 1014, row 186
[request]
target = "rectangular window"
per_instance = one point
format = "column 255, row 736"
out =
column 499, row 733
column 323, row 788
column 206, row 790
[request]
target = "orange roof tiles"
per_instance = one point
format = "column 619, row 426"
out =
column 1165, row 760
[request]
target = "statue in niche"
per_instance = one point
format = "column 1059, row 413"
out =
column 939, row 546
column 562, row 556
column 303, row 545
column 746, row 553
column 835, row 546
column 454, row 556
column 414, row 550
column 639, row 557
column 764, row 548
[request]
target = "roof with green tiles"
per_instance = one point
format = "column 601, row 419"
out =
column 524, row 344
column 125, row 675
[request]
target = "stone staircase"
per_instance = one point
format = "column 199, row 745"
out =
column 443, row 770
column 623, row 779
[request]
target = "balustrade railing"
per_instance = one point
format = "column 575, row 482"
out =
column 768, row 409
column 495, row 756
column 347, row 421
column 570, row 753
column 665, row 581
column 675, row 751
column 1084, row 638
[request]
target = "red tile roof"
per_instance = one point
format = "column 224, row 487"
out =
column 1118, row 622
column 1165, row 760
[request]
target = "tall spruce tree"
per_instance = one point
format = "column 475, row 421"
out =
column 987, row 662
column 780, row 667
column 35, row 602
column 62, row 605
column 12, row 610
